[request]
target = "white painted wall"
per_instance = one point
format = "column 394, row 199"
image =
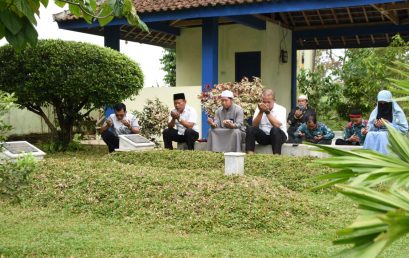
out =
column 24, row 121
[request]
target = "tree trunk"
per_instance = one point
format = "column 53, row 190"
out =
column 66, row 135
column 66, row 123
column 39, row 111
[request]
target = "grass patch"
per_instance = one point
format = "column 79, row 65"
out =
column 174, row 204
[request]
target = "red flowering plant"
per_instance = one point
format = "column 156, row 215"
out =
column 246, row 94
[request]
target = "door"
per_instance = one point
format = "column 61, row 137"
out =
column 248, row 64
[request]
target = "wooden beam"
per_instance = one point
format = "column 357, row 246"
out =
column 339, row 26
column 335, row 16
column 388, row 14
column 174, row 22
column 141, row 33
column 395, row 6
column 319, row 15
column 196, row 22
column 306, row 19
column 365, row 14
column 283, row 18
column 153, row 38
column 273, row 20
column 351, row 19
column 357, row 40
column 130, row 31
column 291, row 19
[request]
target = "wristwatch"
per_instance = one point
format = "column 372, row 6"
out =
column 267, row 112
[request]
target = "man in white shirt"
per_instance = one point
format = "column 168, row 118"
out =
column 184, row 118
column 117, row 124
column 269, row 124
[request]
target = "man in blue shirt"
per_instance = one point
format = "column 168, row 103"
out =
column 355, row 131
column 314, row 132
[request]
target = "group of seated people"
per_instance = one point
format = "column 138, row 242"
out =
column 269, row 125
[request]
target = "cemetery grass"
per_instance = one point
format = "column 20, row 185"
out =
column 163, row 203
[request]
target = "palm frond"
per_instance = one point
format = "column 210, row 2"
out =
column 366, row 167
column 384, row 219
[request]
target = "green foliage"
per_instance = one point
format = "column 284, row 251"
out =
column 323, row 93
column 6, row 103
column 365, row 72
column 18, row 17
column 153, row 118
column 56, row 146
column 184, row 191
column 74, row 78
column 168, row 62
column 384, row 215
column 14, row 177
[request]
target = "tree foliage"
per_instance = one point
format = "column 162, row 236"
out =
column 74, row 78
column 383, row 214
column 19, row 17
column 364, row 73
column 6, row 103
column 168, row 62
column 323, row 92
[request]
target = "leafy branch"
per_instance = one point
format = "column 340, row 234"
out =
column 18, row 17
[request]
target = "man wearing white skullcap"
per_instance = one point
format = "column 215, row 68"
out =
column 297, row 116
column 226, row 133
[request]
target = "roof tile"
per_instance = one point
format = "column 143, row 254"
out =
column 148, row 6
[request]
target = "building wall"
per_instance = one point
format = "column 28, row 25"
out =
column 232, row 39
column 24, row 121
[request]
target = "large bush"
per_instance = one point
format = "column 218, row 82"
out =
column 74, row 78
column 247, row 94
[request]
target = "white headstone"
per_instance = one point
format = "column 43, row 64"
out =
column 14, row 150
column 234, row 163
column 134, row 142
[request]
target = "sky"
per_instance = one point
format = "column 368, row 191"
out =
column 146, row 55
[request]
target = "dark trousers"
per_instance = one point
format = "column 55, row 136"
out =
column 343, row 142
column 171, row 134
column 276, row 138
column 323, row 141
column 291, row 139
column 111, row 140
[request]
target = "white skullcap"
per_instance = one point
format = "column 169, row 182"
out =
column 227, row 94
column 302, row 97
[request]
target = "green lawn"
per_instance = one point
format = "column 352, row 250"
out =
column 164, row 203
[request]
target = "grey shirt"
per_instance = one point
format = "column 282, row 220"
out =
column 234, row 113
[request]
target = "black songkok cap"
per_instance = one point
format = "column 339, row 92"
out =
column 179, row 96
